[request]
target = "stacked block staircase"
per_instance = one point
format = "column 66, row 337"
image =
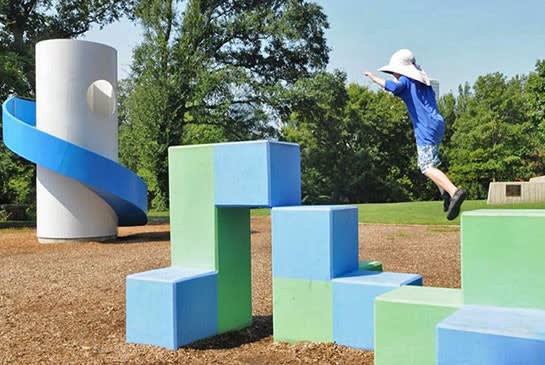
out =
column 315, row 254
column 497, row 318
column 212, row 188
column 321, row 292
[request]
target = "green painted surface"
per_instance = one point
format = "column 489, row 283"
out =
column 492, row 240
column 192, row 210
column 234, row 269
column 405, row 321
column 302, row 310
column 370, row 265
column 203, row 236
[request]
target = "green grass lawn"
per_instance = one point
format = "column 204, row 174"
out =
column 428, row 212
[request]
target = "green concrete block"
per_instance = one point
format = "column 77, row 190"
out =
column 302, row 310
column 405, row 321
column 493, row 240
column 206, row 237
column 234, row 269
column 192, row 210
column 370, row 265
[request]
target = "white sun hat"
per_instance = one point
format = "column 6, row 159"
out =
column 404, row 63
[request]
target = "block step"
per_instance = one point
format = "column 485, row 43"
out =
column 492, row 336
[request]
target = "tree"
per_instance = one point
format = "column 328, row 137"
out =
column 536, row 99
column 217, row 72
column 23, row 23
column 492, row 137
column 356, row 145
column 381, row 125
column 317, row 124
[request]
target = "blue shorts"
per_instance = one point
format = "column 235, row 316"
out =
column 428, row 156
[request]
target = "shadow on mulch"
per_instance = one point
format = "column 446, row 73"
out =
column 145, row 237
column 262, row 327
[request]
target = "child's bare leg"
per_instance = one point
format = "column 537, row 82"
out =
column 441, row 180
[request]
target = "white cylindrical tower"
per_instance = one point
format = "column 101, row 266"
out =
column 76, row 85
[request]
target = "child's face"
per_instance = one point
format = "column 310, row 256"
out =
column 396, row 75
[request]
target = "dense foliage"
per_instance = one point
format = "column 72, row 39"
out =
column 212, row 73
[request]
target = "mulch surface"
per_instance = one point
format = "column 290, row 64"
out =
column 65, row 303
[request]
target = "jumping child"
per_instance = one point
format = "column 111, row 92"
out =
column 413, row 86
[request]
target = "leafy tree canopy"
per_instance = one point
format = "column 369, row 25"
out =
column 216, row 71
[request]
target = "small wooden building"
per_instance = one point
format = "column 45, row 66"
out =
column 517, row 191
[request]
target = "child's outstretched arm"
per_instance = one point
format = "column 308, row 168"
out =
column 377, row 80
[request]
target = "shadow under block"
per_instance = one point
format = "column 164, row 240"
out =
column 314, row 242
column 206, row 237
column 477, row 335
column 302, row 310
column 492, row 240
column 406, row 320
column 171, row 307
column 257, row 174
column 353, row 304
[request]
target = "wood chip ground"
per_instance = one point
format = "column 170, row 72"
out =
column 65, row 303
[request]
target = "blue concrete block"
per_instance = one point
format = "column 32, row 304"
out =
column 492, row 336
column 171, row 307
column 257, row 174
column 353, row 304
column 314, row 242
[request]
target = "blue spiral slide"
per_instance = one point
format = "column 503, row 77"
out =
column 121, row 188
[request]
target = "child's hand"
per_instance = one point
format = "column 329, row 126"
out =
column 375, row 79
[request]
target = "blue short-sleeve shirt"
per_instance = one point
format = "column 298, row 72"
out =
column 428, row 124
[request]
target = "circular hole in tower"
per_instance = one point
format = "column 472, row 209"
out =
column 101, row 99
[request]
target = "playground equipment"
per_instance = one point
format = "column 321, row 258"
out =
column 320, row 290
column 317, row 279
column 321, row 293
column 497, row 317
column 70, row 133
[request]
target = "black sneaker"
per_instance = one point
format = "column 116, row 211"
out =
column 455, row 204
column 446, row 200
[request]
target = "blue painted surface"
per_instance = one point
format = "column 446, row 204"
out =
column 314, row 242
column 285, row 170
column 171, row 307
column 257, row 174
column 353, row 304
column 123, row 190
column 492, row 336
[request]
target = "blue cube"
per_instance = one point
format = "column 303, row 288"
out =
column 492, row 336
column 353, row 304
column 171, row 307
column 257, row 174
column 314, row 242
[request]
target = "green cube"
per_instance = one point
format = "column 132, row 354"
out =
column 405, row 321
column 502, row 258
column 302, row 310
column 370, row 265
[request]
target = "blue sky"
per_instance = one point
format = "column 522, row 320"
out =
column 453, row 41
